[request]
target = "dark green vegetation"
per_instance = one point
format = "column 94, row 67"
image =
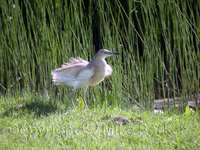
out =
column 158, row 42
column 24, row 125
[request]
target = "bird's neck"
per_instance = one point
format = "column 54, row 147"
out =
column 100, row 58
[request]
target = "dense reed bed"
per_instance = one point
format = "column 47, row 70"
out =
column 158, row 43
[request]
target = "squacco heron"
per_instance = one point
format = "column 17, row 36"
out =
column 79, row 73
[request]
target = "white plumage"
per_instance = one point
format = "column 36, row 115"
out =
column 79, row 73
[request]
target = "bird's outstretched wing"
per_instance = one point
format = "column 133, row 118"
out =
column 74, row 61
column 75, row 73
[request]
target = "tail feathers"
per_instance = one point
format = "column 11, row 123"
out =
column 59, row 79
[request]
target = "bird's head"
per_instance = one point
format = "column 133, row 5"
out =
column 103, row 53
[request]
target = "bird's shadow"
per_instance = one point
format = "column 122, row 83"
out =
column 36, row 108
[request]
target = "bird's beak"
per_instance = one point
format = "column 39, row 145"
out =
column 115, row 53
column 112, row 53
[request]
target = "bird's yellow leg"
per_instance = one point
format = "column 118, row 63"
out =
column 85, row 97
column 73, row 97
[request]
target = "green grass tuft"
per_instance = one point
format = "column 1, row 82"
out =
column 28, row 127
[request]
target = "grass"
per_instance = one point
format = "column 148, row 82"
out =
column 32, row 122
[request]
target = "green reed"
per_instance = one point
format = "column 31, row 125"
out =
column 158, row 43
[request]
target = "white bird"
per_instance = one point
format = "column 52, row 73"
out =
column 78, row 73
